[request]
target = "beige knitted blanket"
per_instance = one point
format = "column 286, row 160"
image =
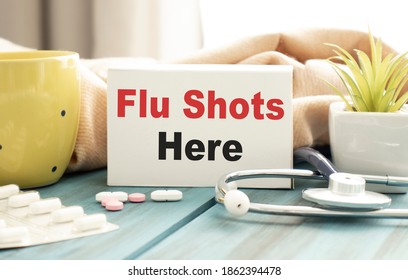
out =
column 305, row 50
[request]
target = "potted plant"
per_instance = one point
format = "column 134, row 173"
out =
column 369, row 129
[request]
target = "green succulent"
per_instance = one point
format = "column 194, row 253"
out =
column 373, row 85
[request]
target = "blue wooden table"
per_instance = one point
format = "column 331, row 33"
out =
column 198, row 228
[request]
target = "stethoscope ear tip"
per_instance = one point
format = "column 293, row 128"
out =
column 236, row 202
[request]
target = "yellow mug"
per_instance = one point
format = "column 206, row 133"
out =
column 39, row 115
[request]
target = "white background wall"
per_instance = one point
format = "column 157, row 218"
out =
column 227, row 20
column 166, row 29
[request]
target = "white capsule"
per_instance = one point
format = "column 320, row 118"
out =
column 89, row 222
column 166, row 195
column 67, row 214
column 44, row 206
column 23, row 199
column 102, row 195
column 121, row 196
column 13, row 234
column 8, row 190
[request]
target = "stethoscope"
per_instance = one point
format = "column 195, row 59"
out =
column 345, row 196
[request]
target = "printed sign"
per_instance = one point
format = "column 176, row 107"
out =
column 186, row 125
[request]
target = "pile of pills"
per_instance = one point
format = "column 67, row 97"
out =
column 114, row 201
column 26, row 219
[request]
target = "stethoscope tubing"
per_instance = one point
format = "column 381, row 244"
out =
column 394, row 181
column 322, row 164
column 308, row 211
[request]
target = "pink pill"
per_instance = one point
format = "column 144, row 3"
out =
column 105, row 200
column 114, row 205
column 136, row 197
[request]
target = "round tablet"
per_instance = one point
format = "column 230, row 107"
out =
column 102, row 195
column 137, row 197
column 105, row 200
column 121, row 196
column 114, row 205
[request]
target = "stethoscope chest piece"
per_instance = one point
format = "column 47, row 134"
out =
column 347, row 191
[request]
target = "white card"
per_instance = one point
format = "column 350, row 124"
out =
column 186, row 125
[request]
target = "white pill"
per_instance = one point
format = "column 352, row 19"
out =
column 121, row 196
column 89, row 222
column 67, row 214
column 13, row 234
column 43, row 206
column 23, row 199
column 2, row 223
column 102, row 195
column 166, row 195
column 8, row 190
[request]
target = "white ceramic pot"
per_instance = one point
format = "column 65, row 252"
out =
column 370, row 143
